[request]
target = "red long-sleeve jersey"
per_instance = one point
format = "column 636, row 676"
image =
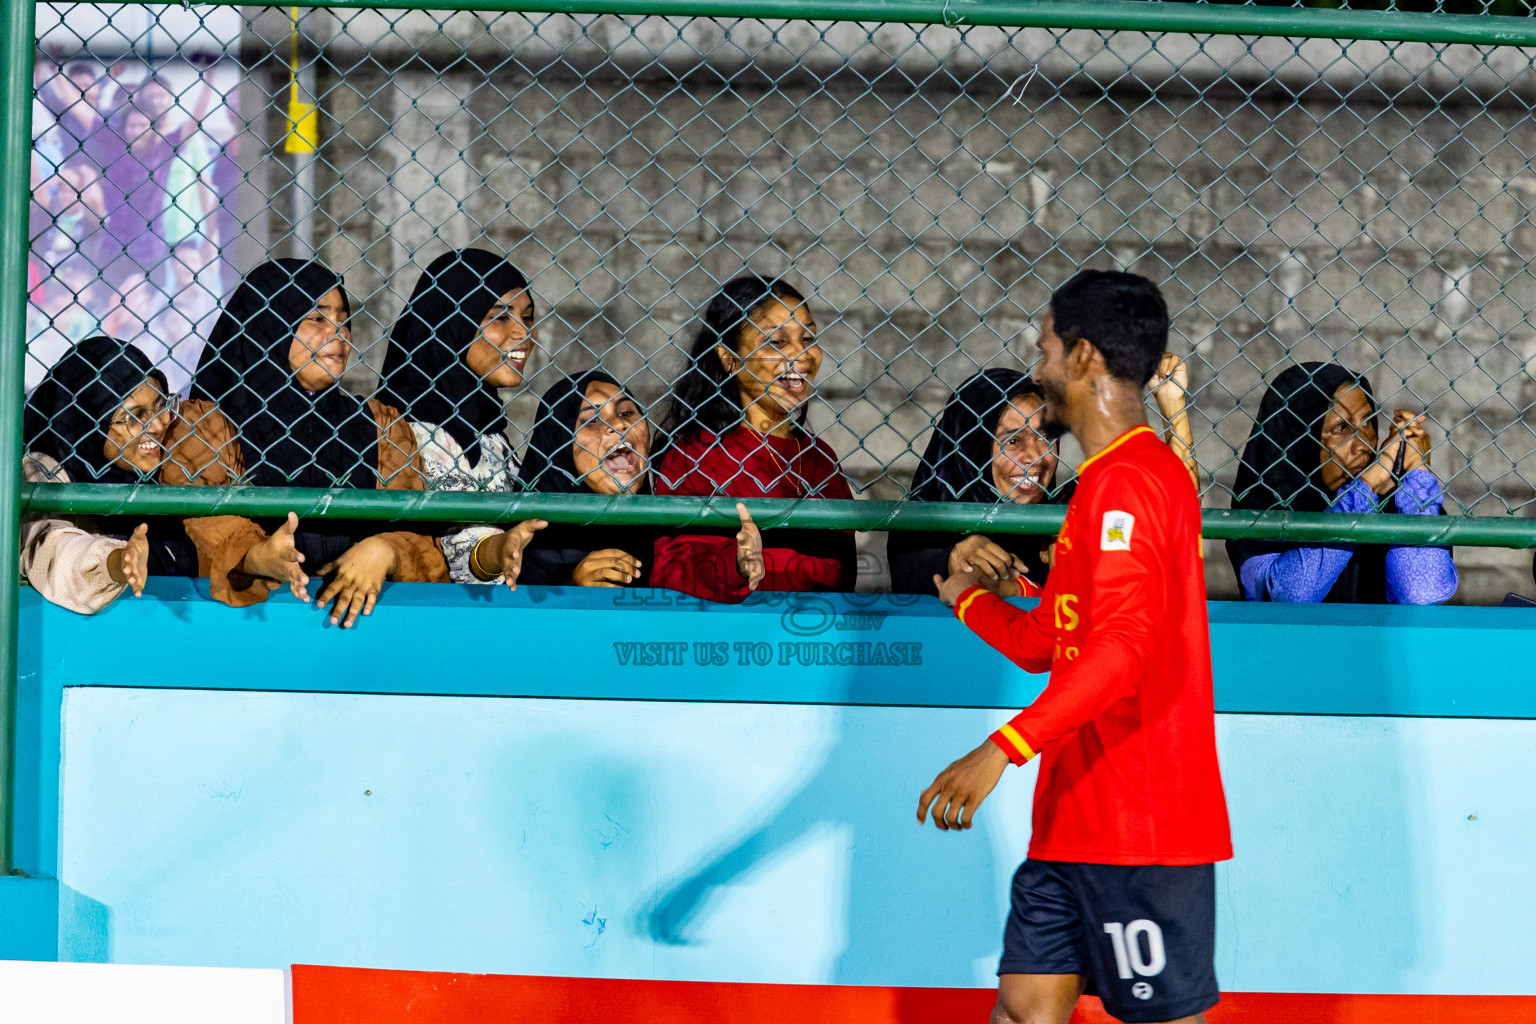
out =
column 1126, row 725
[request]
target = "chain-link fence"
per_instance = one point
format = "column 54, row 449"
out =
column 924, row 187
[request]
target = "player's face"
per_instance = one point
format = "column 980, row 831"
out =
column 1023, row 459
column 1050, row 372
column 1349, row 437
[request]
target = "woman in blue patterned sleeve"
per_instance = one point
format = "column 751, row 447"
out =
column 1314, row 448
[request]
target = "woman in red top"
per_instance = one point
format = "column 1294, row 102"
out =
column 736, row 429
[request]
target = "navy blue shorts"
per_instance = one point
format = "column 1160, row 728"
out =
column 1144, row 936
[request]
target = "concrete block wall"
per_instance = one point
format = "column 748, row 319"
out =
column 930, row 187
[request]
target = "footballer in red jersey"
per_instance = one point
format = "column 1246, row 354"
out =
column 1117, row 896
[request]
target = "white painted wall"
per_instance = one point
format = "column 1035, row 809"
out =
column 65, row 993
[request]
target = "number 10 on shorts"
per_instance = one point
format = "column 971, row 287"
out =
column 1126, row 938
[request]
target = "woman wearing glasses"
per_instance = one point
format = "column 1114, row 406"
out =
column 101, row 415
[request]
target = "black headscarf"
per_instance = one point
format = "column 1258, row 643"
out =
column 66, row 418
column 425, row 375
column 1281, row 466
column 550, row 462
column 67, row 413
column 957, row 466
column 957, row 463
column 1281, row 469
column 290, row 437
column 549, row 466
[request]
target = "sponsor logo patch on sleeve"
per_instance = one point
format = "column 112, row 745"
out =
column 1116, row 535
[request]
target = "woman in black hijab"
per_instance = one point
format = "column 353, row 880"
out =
column 590, row 437
column 268, row 409
column 100, row 415
column 467, row 330
column 1314, row 448
column 986, row 448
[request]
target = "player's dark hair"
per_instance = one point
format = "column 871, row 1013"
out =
column 1122, row 315
column 703, row 397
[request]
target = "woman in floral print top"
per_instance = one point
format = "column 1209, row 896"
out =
column 467, row 330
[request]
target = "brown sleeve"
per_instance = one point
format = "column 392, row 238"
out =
column 222, row 542
column 418, row 559
column 399, row 461
column 203, row 448
column 204, row 452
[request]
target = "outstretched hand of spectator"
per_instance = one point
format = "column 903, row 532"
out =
column 278, row 562
column 957, row 584
column 609, row 567
column 129, row 565
column 513, row 543
column 981, row 552
column 359, row 576
column 749, row 549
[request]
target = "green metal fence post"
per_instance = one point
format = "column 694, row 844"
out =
column 17, row 51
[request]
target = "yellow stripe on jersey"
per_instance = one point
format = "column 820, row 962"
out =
column 1012, row 736
column 966, row 599
column 1116, row 443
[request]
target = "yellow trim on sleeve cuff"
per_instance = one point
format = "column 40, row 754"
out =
column 962, row 605
column 1013, row 744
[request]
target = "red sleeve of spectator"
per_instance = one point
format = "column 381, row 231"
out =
column 683, row 470
column 789, row 570
column 700, row 566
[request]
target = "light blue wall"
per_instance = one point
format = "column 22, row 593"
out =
column 747, row 842
column 729, row 839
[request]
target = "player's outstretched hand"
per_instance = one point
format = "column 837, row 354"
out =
column 957, row 793
column 951, row 589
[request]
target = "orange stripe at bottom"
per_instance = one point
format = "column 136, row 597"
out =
column 344, row 995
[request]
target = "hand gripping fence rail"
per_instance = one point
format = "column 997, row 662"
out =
column 1338, row 186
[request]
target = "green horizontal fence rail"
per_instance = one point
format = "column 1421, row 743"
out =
column 1104, row 15
column 815, row 513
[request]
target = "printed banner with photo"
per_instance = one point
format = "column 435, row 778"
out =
column 133, row 185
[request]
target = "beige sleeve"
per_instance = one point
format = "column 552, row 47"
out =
column 67, row 565
column 64, row 562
